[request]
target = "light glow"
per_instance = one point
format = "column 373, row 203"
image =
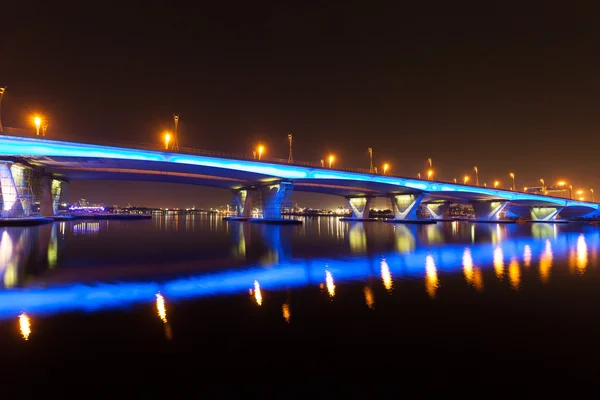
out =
column 329, row 283
column 161, row 308
column 386, row 276
column 25, row 326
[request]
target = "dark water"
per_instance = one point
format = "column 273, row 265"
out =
column 85, row 300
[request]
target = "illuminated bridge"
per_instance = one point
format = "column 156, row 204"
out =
column 51, row 164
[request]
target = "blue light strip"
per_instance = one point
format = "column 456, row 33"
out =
column 30, row 147
column 447, row 258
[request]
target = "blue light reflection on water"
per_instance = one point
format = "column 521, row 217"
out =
column 295, row 273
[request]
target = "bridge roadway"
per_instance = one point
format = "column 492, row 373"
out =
column 66, row 161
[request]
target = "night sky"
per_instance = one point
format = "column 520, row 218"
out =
column 509, row 88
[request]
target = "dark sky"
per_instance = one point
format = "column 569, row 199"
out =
column 509, row 88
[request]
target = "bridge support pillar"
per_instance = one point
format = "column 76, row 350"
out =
column 405, row 207
column 10, row 199
column 488, row 211
column 438, row 211
column 51, row 192
column 360, row 206
column 242, row 203
column 544, row 214
column 272, row 198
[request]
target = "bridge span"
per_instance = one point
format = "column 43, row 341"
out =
column 52, row 164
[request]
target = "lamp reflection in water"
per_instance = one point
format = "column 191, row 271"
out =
column 467, row 261
column 499, row 262
column 582, row 254
column 527, row 256
column 386, row 276
column 514, row 274
column 161, row 310
column 285, row 310
column 160, row 307
column 25, row 326
column 546, row 262
column 369, row 297
column 431, row 278
column 257, row 293
column 330, row 284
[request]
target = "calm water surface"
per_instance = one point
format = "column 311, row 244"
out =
column 88, row 298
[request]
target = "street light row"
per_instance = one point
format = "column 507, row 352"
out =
column 170, row 141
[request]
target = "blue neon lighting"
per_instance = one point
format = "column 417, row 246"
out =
column 295, row 273
column 24, row 147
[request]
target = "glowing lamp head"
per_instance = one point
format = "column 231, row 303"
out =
column 167, row 137
column 261, row 149
column 561, row 183
column 496, row 183
column 386, row 166
column 331, row 158
column 466, row 179
column 512, row 175
column 37, row 121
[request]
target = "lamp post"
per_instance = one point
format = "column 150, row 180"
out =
column 455, row 180
column 370, row 159
column 331, row 158
column 593, row 199
column 2, row 90
column 476, row 175
column 579, row 193
column 290, row 158
column 430, row 163
column 571, row 191
column 543, row 185
column 466, row 179
column 418, row 175
column 44, row 129
column 176, row 135
column 512, row 175
column 496, row 183
column 429, row 174
column 37, row 122
column 561, row 184
column 386, row 166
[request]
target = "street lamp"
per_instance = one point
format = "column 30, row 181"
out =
column 386, row 166
column 429, row 174
column 331, row 158
column 290, row 158
column 496, row 183
column 570, row 191
column 167, row 137
column 593, row 200
column 37, row 122
column 261, row 149
column 44, row 129
column 454, row 180
column 543, row 185
column 561, row 184
column 370, row 159
column 512, row 175
column 466, row 179
column 476, row 175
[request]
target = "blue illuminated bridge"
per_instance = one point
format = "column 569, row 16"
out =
column 55, row 163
